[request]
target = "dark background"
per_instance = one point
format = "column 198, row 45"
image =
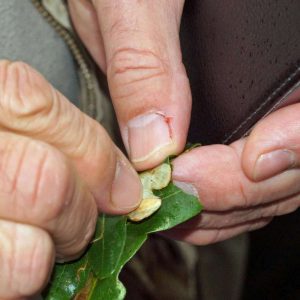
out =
column 237, row 53
column 274, row 261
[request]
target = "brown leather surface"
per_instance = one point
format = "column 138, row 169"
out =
column 241, row 56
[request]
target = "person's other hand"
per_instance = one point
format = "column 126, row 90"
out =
column 244, row 185
column 56, row 166
column 136, row 43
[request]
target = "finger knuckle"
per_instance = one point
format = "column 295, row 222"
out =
column 38, row 180
column 24, row 95
column 239, row 195
column 244, row 195
column 54, row 185
column 25, row 258
column 76, row 246
column 129, row 68
column 33, row 261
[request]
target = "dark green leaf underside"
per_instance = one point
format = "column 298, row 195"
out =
column 95, row 275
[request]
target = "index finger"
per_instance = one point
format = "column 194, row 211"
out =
column 30, row 106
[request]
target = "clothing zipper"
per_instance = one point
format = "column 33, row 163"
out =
column 77, row 53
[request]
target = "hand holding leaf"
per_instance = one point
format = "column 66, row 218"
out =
column 117, row 239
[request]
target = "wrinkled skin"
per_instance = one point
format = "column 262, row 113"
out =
column 59, row 166
column 242, row 186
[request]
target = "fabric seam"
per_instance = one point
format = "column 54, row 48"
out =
column 262, row 105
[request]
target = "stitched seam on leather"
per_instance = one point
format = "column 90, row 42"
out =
column 262, row 105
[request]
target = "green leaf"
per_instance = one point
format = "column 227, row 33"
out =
column 177, row 207
column 99, row 262
column 108, row 246
column 108, row 288
column 95, row 275
column 68, row 279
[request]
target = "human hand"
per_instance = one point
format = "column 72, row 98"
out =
column 136, row 43
column 57, row 166
column 244, row 185
column 142, row 60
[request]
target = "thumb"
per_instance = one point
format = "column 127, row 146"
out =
column 147, row 80
column 274, row 144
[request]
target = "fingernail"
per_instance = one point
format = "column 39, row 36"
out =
column 273, row 163
column 126, row 188
column 147, row 135
column 187, row 188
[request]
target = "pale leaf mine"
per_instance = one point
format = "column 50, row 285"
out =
column 154, row 179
